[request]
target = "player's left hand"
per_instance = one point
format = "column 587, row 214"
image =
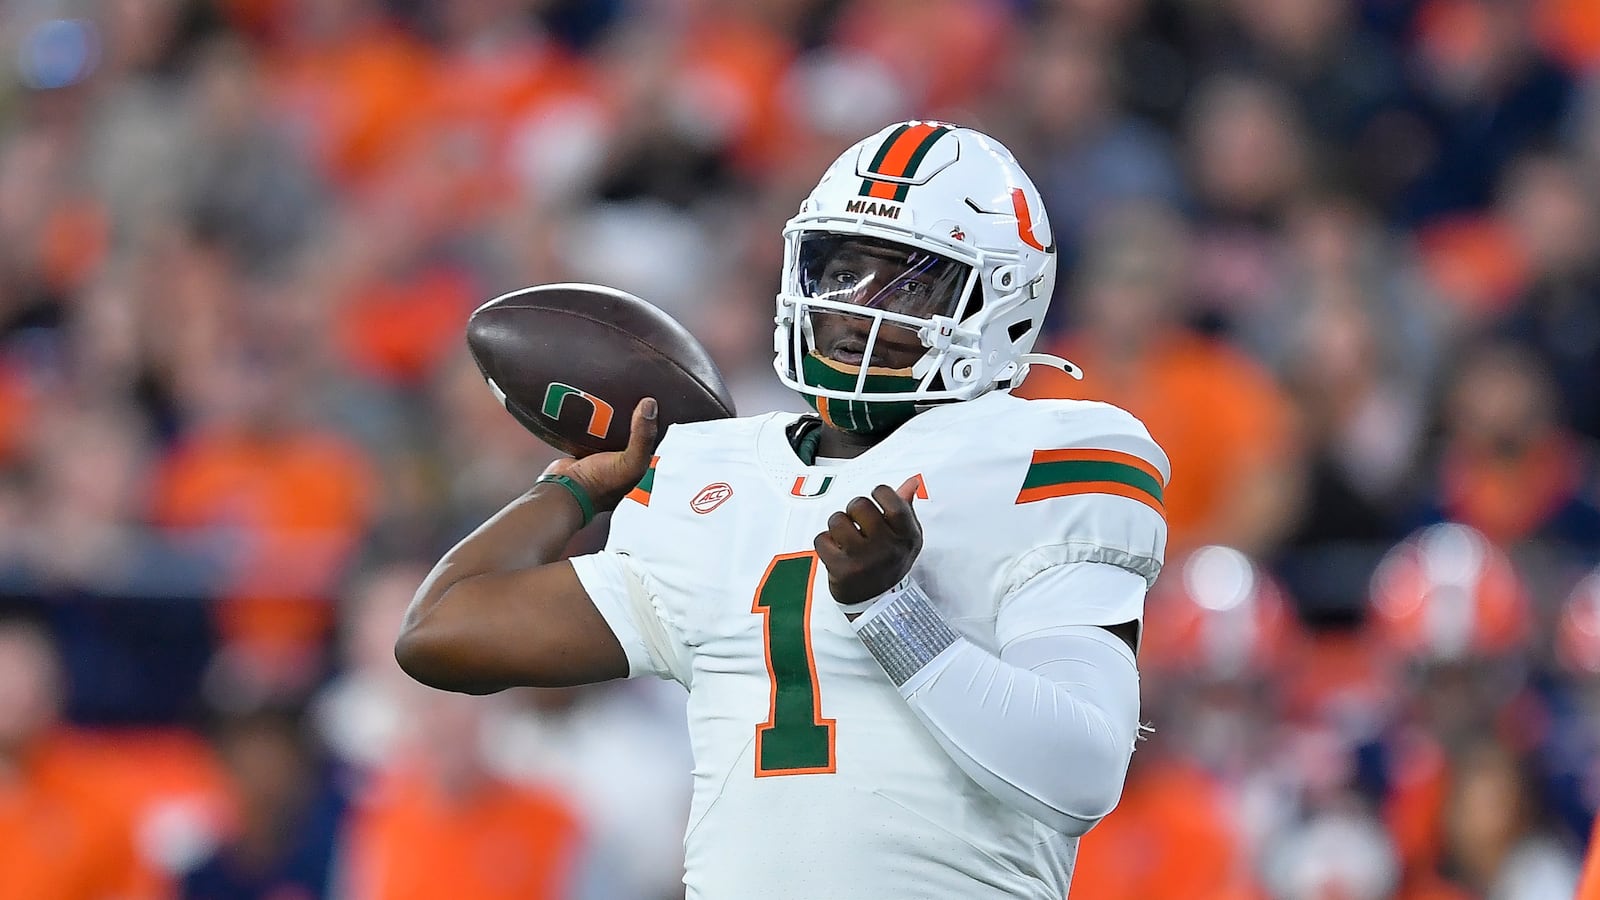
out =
column 871, row 544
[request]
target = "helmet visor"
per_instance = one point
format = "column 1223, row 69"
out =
column 877, row 274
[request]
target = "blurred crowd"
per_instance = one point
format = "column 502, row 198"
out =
column 1341, row 256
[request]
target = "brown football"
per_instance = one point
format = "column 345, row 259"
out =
column 571, row 361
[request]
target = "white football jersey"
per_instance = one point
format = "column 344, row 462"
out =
column 813, row 778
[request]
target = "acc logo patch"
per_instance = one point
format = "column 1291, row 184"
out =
column 710, row 497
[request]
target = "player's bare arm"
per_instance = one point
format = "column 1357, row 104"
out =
column 499, row 610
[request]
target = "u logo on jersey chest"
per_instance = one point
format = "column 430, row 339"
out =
column 811, row 485
column 817, row 485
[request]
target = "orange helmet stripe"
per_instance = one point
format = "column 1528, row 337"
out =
column 901, row 150
column 899, row 157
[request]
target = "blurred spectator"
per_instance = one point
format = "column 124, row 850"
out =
column 244, row 187
column 1251, row 159
column 941, row 50
column 1084, row 153
column 87, row 464
column 1552, row 211
column 1217, row 619
column 1451, row 602
column 138, row 121
column 1223, row 422
column 1509, row 467
column 134, row 640
column 1210, row 785
column 1496, row 844
column 1487, row 94
column 404, row 306
column 1340, row 75
column 510, row 101
column 1343, row 853
column 1361, row 422
column 1453, row 608
column 1571, row 742
column 66, row 816
column 1170, row 836
column 587, row 742
column 1334, row 252
column 345, row 80
column 360, row 714
column 436, row 823
column 698, row 97
column 295, row 499
column 281, row 840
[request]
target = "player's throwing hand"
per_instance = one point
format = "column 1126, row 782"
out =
column 609, row 476
column 871, row 544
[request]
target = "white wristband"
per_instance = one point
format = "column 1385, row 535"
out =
column 903, row 631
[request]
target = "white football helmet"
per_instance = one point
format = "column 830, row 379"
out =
column 961, row 260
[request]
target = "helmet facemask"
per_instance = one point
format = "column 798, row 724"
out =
column 868, row 327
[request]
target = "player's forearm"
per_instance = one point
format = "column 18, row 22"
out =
column 1048, row 730
column 531, row 530
column 455, row 631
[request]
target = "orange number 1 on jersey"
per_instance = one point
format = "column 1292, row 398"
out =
column 795, row 739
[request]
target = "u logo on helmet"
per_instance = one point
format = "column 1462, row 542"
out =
column 1019, row 205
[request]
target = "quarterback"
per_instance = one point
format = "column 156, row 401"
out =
column 908, row 623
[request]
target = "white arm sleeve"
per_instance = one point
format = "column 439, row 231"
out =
column 619, row 591
column 1048, row 726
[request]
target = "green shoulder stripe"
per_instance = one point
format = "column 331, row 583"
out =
column 1070, row 472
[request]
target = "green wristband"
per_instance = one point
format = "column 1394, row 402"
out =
column 585, row 505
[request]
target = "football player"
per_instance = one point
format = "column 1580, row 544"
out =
column 907, row 623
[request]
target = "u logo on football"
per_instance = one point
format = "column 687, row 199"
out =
column 600, row 412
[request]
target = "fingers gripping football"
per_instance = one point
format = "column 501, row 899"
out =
column 609, row 476
column 870, row 545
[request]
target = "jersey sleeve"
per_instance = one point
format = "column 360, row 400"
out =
column 1090, row 491
column 623, row 580
column 619, row 590
column 1075, row 594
